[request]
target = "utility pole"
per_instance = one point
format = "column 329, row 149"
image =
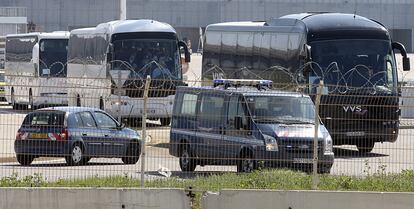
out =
column 122, row 9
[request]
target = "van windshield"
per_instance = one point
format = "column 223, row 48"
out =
column 277, row 109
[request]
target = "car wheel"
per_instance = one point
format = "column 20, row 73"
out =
column 246, row 163
column 132, row 154
column 365, row 147
column 24, row 159
column 75, row 157
column 165, row 121
column 187, row 161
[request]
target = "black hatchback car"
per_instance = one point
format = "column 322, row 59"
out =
column 75, row 133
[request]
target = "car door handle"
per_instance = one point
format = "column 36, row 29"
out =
column 106, row 135
column 84, row 134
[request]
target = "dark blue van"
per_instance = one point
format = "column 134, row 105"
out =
column 75, row 133
column 245, row 123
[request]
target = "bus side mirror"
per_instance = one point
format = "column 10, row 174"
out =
column 187, row 57
column 308, row 53
column 406, row 63
column 109, row 53
column 406, row 59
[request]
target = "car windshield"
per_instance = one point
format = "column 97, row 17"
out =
column 53, row 57
column 281, row 109
column 353, row 64
column 45, row 118
column 158, row 58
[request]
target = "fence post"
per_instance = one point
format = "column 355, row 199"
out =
column 119, row 87
column 315, row 178
column 144, row 130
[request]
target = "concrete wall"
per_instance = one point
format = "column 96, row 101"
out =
column 239, row 199
column 92, row 198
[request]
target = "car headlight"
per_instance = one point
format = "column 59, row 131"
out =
column 328, row 144
column 271, row 143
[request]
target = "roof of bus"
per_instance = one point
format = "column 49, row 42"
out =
column 313, row 22
column 127, row 26
column 42, row 35
column 336, row 21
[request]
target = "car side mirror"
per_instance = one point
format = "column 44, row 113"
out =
column 238, row 123
column 121, row 126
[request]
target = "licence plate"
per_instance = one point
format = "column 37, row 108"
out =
column 38, row 136
column 302, row 160
column 355, row 133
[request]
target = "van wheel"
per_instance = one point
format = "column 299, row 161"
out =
column 246, row 163
column 24, row 159
column 76, row 155
column 165, row 121
column 187, row 161
column 365, row 147
column 132, row 154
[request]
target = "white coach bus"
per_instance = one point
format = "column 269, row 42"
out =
column 108, row 64
column 35, row 69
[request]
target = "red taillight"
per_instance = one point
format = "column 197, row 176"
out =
column 64, row 134
column 21, row 135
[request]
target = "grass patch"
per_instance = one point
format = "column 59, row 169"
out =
column 266, row 179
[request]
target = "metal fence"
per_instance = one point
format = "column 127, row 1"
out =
column 195, row 127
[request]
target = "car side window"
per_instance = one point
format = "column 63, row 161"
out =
column 85, row 119
column 104, row 121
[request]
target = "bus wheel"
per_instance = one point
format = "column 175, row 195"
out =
column 365, row 147
column 101, row 103
column 165, row 121
column 31, row 100
column 13, row 101
column 78, row 101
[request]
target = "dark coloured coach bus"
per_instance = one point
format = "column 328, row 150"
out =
column 353, row 55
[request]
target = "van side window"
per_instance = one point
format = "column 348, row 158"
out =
column 189, row 104
column 211, row 108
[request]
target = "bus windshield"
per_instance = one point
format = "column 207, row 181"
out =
column 281, row 109
column 158, row 58
column 53, row 57
column 353, row 64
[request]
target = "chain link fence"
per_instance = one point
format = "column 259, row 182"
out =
column 147, row 124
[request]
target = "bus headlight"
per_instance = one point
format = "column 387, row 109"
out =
column 271, row 143
column 328, row 144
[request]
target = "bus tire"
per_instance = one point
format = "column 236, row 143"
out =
column 31, row 106
column 101, row 104
column 78, row 101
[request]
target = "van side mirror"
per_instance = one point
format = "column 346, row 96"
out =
column 238, row 122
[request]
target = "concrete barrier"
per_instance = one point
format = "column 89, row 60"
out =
column 92, row 198
column 264, row 199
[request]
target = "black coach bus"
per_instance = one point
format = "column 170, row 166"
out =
column 353, row 55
